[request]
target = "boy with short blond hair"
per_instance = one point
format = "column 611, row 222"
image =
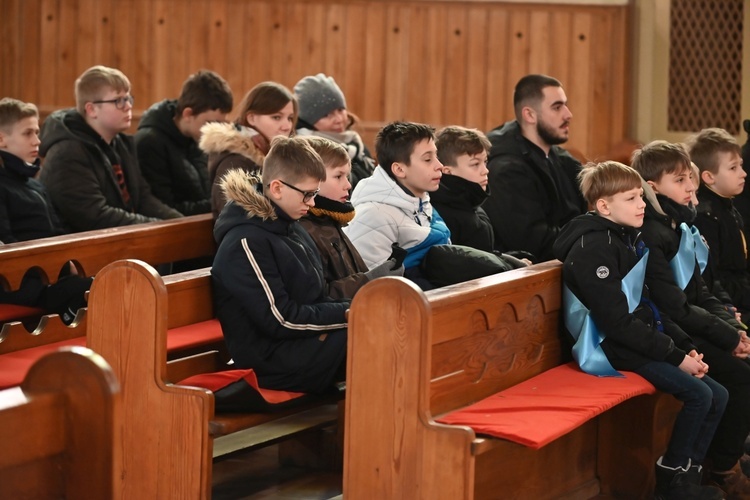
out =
column 676, row 261
column 91, row 170
column 345, row 271
column 167, row 141
column 603, row 257
column 269, row 291
column 718, row 156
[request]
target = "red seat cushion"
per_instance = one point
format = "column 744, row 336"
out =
column 11, row 312
column 539, row 410
column 195, row 335
column 15, row 365
column 238, row 391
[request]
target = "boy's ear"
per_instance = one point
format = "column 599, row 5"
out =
column 90, row 109
column 398, row 169
column 445, row 170
column 708, row 178
column 602, row 207
column 653, row 186
column 186, row 113
column 275, row 189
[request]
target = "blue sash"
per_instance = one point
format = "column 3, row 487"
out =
column 692, row 248
column 587, row 350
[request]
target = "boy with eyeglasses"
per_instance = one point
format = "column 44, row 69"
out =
column 91, row 169
column 269, row 286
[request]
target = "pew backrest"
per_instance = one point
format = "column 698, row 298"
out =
column 59, row 430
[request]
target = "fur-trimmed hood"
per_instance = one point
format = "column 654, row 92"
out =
column 219, row 138
column 246, row 190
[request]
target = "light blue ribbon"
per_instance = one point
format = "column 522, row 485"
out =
column 692, row 248
column 587, row 350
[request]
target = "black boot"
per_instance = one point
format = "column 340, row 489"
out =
column 683, row 483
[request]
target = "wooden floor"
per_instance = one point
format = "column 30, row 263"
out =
column 257, row 475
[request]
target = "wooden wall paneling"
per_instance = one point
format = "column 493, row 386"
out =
column 417, row 82
column 603, row 104
column 234, row 48
column 142, row 52
column 396, row 62
column 274, row 44
column 253, row 53
column 199, row 21
column 334, row 59
column 457, row 67
column 11, row 49
column 539, row 41
column 519, row 46
column 187, row 37
column 85, row 27
column 217, row 57
column 314, row 48
column 355, row 54
column 52, row 92
column 68, row 38
column 26, row 38
column 478, row 52
column 433, row 63
column 499, row 101
column 618, row 89
column 378, row 29
column 106, row 16
column 296, row 35
column 561, row 46
column 579, row 87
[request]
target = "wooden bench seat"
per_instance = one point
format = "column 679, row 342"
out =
column 157, row 243
column 19, row 351
column 414, row 357
column 58, row 429
column 130, row 311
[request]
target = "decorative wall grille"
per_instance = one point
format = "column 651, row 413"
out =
column 705, row 65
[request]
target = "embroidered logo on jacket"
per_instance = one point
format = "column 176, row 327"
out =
column 602, row 272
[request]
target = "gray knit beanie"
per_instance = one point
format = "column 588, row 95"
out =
column 317, row 96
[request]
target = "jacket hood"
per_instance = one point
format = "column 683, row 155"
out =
column 457, row 192
column 228, row 137
column 61, row 125
column 506, row 140
column 381, row 188
column 245, row 202
column 160, row 116
column 574, row 231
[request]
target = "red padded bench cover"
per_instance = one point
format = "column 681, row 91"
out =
column 11, row 312
column 195, row 335
column 14, row 365
column 539, row 410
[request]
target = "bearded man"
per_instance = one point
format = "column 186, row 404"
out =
column 532, row 180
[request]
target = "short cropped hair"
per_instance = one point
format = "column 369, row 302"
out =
column 292, row 159
column 706, row 144
column 657, row 158
column 455, row 141
column 13, row 111
column 205, row 91
column 95, row 82
column 266, row 98
column 605, row 179
column 529, row 91
column 395, row 143
column 332, row 153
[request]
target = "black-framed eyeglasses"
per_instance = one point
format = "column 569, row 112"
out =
column 306, row 195
column 119, row 102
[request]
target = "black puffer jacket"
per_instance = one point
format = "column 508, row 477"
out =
column 26, row 211
column 695, row 310
column 268, row 280
column 80, row 180
column 173, row 164
column 458, row 203
column 532, row 198
column 598, row 254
